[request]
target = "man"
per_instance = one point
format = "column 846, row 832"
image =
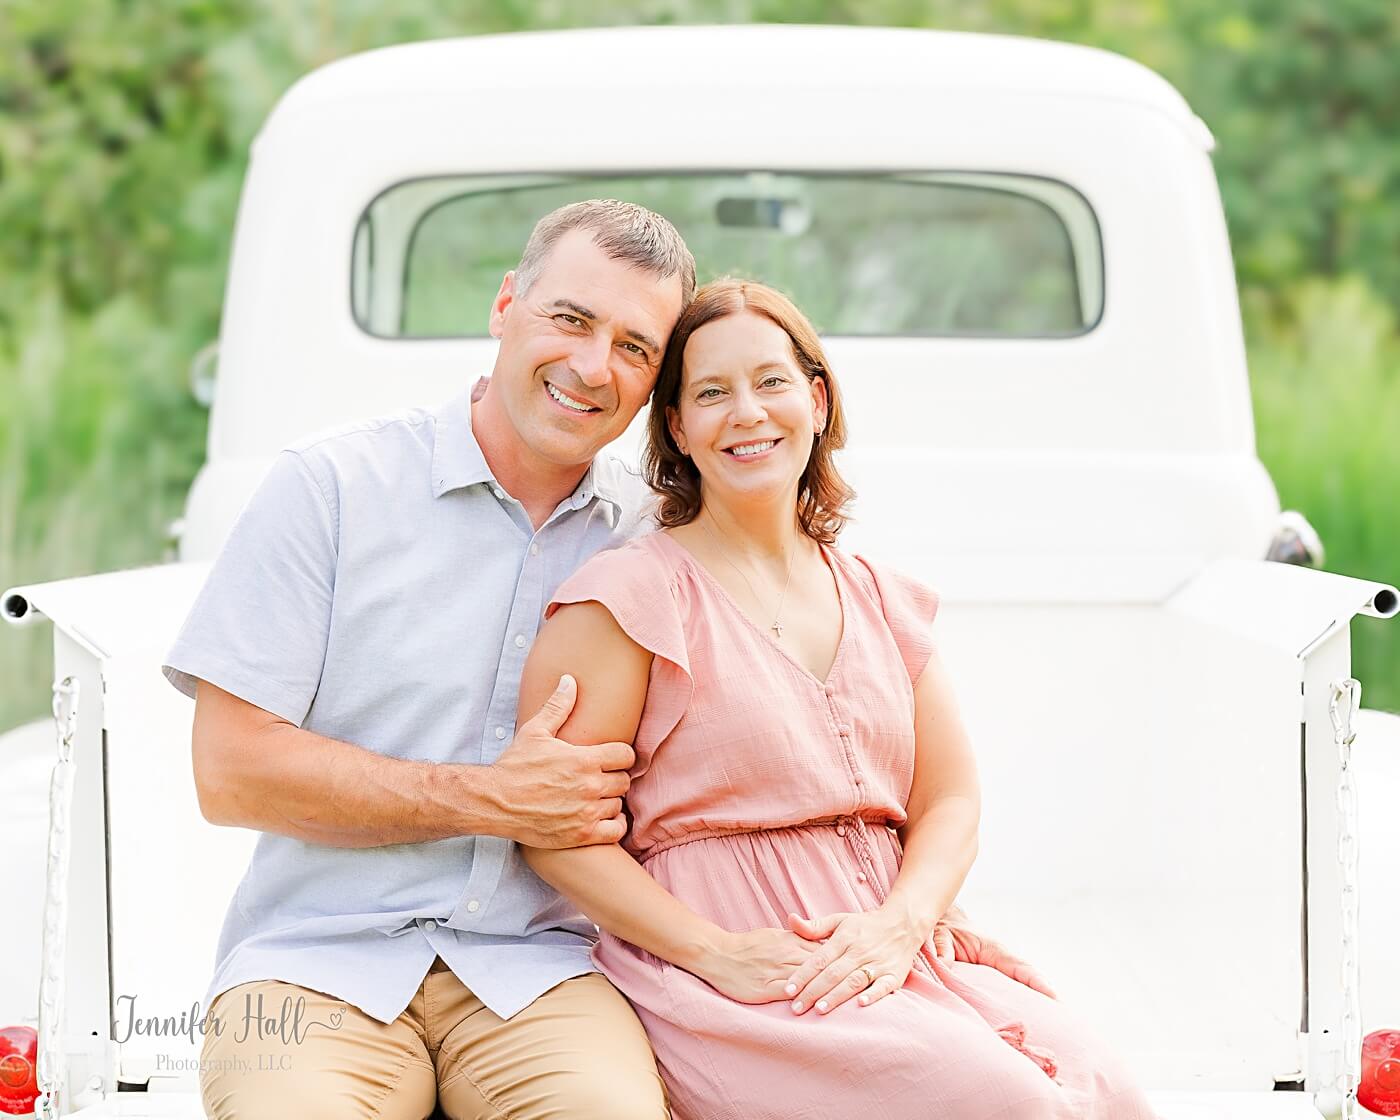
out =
column 355, row 657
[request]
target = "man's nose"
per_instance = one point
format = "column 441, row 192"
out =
column 590, row 361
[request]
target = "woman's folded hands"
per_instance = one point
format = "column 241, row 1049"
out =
column 753, row 966
column 863, row 955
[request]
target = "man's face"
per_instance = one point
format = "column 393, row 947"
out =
column 581, row 349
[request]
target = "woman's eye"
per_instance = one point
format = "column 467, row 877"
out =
column 775, row 379
column 704, row 394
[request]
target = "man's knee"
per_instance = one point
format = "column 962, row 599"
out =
column 616, row 1100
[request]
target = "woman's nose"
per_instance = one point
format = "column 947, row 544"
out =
column 748, row 409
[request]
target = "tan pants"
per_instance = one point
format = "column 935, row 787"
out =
column 577, row 1052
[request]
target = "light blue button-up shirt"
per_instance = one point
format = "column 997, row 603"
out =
column 382, row 589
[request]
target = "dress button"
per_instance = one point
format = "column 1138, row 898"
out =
column 859, row 780
column 473, row 906
column 840, row 830
column 860, row 876
column 500, row 733
column 520, row 641
column 430, row 924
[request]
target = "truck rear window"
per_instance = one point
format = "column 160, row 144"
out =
column 897, row 254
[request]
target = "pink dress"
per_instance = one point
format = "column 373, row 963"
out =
column 760, row 790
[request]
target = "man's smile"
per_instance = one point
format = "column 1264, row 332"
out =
column 572, row 404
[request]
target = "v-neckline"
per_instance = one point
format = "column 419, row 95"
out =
column 719, row 588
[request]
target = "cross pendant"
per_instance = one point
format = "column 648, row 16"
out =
column 777, row 628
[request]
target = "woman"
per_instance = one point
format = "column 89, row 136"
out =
column 804, row 802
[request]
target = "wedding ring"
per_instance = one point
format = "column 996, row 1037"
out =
column 869, row 978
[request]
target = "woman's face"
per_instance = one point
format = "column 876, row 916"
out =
column 747, row 414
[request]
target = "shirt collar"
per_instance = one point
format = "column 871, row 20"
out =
column 457, row 457
column 458, row 461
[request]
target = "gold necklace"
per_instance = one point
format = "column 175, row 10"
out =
column 776, row 626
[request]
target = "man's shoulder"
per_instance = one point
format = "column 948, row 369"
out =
column 374, row 447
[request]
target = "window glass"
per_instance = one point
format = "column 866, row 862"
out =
column 933, row 253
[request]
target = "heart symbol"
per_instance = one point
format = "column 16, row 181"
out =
column 337, row 1017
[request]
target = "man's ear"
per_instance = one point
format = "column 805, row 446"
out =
column 502, row 304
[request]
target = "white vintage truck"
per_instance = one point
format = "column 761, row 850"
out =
column 1017, row 253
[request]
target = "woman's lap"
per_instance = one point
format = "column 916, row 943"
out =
column 930, row 1050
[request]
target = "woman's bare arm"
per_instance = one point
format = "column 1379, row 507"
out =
column 945, row 805
column 607, row 884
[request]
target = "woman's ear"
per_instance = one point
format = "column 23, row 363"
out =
column 820, row 404
column 673, row 425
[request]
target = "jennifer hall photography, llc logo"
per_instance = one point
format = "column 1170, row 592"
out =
column 279, row 1027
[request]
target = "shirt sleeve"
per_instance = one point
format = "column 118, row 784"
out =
column 909, row 607
column 636, row 589
column 260, row 625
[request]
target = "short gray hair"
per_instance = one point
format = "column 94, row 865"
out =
column 623, row 230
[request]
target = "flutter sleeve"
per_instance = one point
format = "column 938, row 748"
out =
column 635, row 585
column 909, row 607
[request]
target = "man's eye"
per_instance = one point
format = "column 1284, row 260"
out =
column 572, row 320
column 635, row 349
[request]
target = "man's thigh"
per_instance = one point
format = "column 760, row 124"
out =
column 289, row 1051
column 576, row 1053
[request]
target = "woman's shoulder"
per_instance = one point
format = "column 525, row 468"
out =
column 637, row 575
column 636, row 583
column 893, row 589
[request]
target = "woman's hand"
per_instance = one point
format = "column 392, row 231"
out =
column 754, row 966
column 866, row 955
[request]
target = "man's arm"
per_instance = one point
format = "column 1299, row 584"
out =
column 255, row 770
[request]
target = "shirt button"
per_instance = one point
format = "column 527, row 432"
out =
column 520, row 641
column 498, row 492
column 473, row 906
column 430, row 924
column 534, row 549
column 500, row 733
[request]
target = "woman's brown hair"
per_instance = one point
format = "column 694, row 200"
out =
column 822, row 494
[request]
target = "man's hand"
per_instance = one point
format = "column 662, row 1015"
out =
column 553, row 794
column 954, row 939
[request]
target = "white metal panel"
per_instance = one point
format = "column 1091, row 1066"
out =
column 113, row 612
column 172, row 873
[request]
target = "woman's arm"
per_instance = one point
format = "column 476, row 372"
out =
column 940, row 844
column 945, row 806
column 607, row 884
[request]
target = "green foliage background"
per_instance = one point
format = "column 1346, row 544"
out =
column 124, row 127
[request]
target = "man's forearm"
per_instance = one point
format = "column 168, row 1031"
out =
column 300, row 784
